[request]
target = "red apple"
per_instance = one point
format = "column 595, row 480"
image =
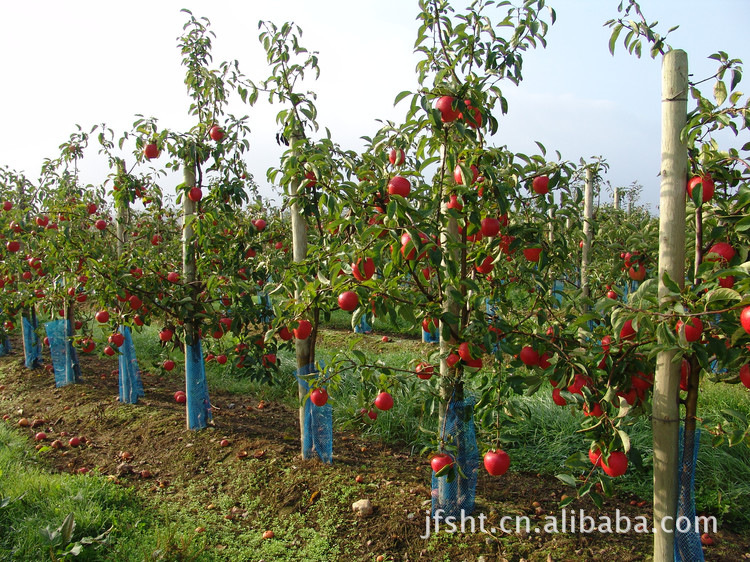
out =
column 180, row 397
column 557, row 398
column 224, row 443
column 7, row 205
column 363, row 269
column 490, row 227
column 721, row 252
column 611, row 295
column 303, row 330
column 173, row 277
column 529, row 356
column 745, row 318
column 458, row 176
column 429, row 324
column 260, row 225
column 486, row 266
column 399, row 185
column 452, row 359
column 425, row 370
column 496, row 462
column 595, row 456
column 319, row 397
column 684, row 374
column 384, row 401
column 166, row 335
column 102, row 316
column 439, row 461
column 195, row 194
column 616, row 465
column 445, row 104
column 464, row 351
column 221, row 359
column 396, row 156
column 540, row 185
column 216, row 133
column 627, row 332
column 41, row 436
column 532, row 254
column 708, row 186
column 101, row 224
column 745, row 374
column 693, row 329
column 13, row 246
column 151, row 151
column 168, row 364
column 117, row 339
column 74, row 441
column 637, row 272
column 348, row 300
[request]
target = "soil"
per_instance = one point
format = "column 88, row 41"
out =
column 124, row 440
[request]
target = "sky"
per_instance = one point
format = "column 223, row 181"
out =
column 89, row 62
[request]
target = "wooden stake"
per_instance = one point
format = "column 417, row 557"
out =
column 588, row 229
column 666, row 408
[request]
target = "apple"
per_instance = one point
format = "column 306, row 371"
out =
column 151, row 151
column 138, row 320
column 303, row 330
column 224, row 443
column 745, row 374
column 102, row 316
column 135, row 302
column 399, row 185
column 464, row 351
column 41, row 436
column 7, row 205
column 540, row 185
column 311, row 179
column 486, row 266
column 496, row 462
column 707, row 540
column 91, row 208
column 285, row 334
column 42, row 220
column 685, row 373
column 637, row 272
column 544, row 361
column 490, row 227
column 745, row 318
column 445, row 105
column 606, row 343
column 425, row 370
column 363, row 269
column 693, row 330
column 180, row 397
column 385, row 339
column 611, row 294
column 440, row 461
column 384, row 401
column 74, row 441
column 166, row 334
column 459, row 178
column 221, row 359
column 268, row 535
column 557, row 398
column 532, row 254
column 396, row 156
column 173, row 277
column 616, row 465
column 726, row 282
column 529, row 356
column 627, row 332
column 596, row 411
column 595, row 456
column 455, row 203
column 452, row 359
column 13, row 246
column 260, row 224
column 117, row 339
column 473, row 117
column 195, row 194
column 708, row 186
column 216, row 133
column 721, row 252
column 156, row 239
column 56, row 444
column 168, row 364
column 101, row 224
column 319, row 397
column 108, row 350
column 429, row 324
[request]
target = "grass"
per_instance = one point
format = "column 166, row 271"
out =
column 110, row 522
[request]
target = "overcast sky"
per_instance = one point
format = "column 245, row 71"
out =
column 88, row 62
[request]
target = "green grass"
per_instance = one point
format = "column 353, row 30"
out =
column 34, row 503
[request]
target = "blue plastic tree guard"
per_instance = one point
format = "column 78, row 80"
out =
column 265, row 302
column 64, row 356
column 196, row 389
column 131, row 387
column 687, row 544
column 457, row 497
column 558, row 287
column 32, row 347
column 318, row 427
column 363, row 327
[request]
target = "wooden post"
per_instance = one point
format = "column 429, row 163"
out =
column 617, row 198
column 304, row 349
column 194, row 386
column 666, row 409
column 588, row 228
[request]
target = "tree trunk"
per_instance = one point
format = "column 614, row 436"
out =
column 588, row 228
column 666, row 422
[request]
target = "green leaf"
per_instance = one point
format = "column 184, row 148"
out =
column 401, row 96
column 613, row 38
column 566, row 479
column 597, row 499
column 669, row 284
column 625, row 438
column 720, row 92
